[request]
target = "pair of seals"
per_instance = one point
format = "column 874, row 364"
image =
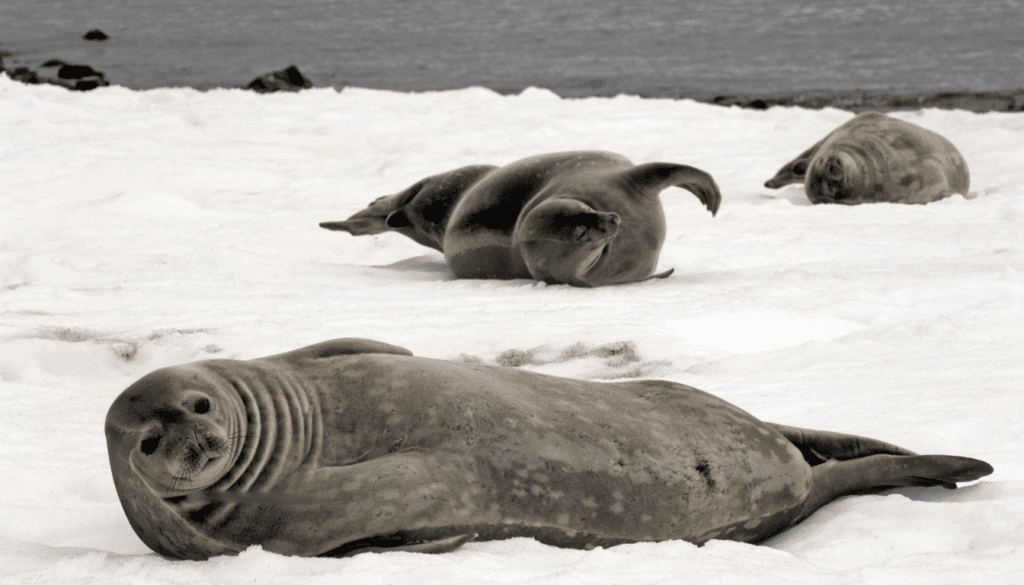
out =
column 875, row 158
column 353, row 445
column 581, row 218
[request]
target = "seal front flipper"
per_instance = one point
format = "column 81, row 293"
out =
column 343, row 346
column 568, row 221
column 795, row 171
column 656, row 177
column 430, row 547
column 665, row 274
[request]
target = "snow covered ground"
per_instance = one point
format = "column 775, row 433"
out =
column 140, row 229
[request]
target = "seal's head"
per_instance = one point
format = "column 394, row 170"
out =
column 177, row 430
column 841, row 177
column 567, row 241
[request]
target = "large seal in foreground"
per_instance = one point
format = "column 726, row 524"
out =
column 875, row 158
column 354, row 444
column 580, row 218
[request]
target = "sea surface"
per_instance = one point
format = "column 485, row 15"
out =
column 661, row 48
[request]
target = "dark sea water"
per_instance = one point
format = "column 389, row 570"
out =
column 665, row 48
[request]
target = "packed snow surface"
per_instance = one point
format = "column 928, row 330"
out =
column 141, row 229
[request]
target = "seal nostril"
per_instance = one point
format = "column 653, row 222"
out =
column 150, row 445
column 202, row 406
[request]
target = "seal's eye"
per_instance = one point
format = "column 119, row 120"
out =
column 149, row 446
column 202, row 406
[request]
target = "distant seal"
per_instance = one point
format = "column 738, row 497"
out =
column 581, row 218
column 353, row 445
column 875, row 158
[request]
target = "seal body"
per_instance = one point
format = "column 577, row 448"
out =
column 875, row 158
column 354, row 444
column 581, row 218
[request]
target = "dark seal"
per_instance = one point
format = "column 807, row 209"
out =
column 874, row 158
column 353, row 445
column 580, row 218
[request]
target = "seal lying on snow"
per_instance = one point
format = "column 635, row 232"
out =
column 354, row 444
column 580, row 218
column 875, row 158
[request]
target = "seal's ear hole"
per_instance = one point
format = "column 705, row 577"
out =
column 800, row 167
column 149, row 446
column 202, row 406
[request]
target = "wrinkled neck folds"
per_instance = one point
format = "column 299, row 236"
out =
column 283, row 428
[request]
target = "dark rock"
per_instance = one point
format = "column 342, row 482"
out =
column 24, row 75
column 65, row 83
column 87, row 84
column 289, row 79
column 95, row 35
column 71, row 71
column 91, row 83
column 70, row 76
column 78, row 77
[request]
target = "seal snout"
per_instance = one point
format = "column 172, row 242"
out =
column 185, row 443
column 834, row 168
column 601, row 227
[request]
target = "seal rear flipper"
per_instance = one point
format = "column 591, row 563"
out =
column 656, row 177
column 375, row 218
column 795, row 171
column 420, row 212
column 820, row 446
column 343, row 346
column 878, row 473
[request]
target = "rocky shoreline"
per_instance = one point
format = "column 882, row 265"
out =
column 83, row 78
column 860, row 101
column 79, row 77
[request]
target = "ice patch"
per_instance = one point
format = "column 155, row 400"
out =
column 85, row 358
column 609, row 361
